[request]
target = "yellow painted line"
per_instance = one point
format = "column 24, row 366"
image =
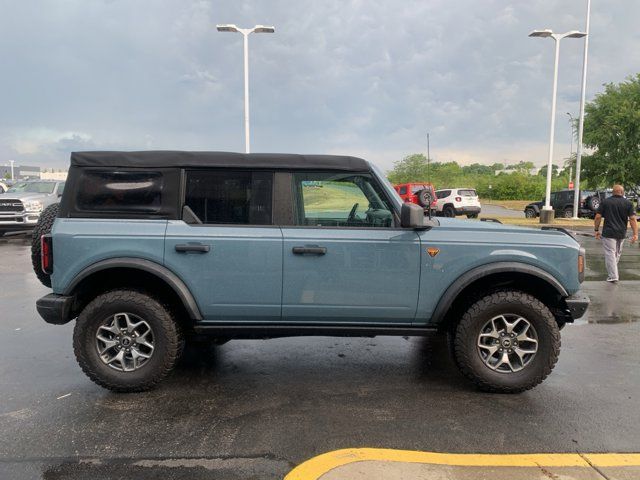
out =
column 315, row 467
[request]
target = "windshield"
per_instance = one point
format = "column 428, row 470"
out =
column 468, row 193
column 393, row 195
column 33, row 187
column 417, row 188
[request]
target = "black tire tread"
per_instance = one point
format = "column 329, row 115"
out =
column 43, row 227
column 171, row 331
column 463, row 329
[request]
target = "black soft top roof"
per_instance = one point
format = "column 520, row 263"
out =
column 166, row 158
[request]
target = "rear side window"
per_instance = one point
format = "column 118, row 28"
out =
column 443, row 193
column 403, row 190
column 120, row 191
column 230, row 197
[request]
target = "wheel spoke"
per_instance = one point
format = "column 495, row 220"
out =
column 108, row 344
column 113, row 328
column 118, row 357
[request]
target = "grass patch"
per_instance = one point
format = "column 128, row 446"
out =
column 558, row 222
column 510, row 204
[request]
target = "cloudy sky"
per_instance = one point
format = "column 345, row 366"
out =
column 362, row 77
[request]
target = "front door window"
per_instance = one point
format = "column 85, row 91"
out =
column 340, row 200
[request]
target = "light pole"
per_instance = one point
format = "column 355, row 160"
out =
column 245, row 33
column 12, row 162
column 581, row 120
column 546, row 214
column 572, row 129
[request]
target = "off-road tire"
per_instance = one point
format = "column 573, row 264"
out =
column 472, row 215
column 530, row 213
column 168, row 340
column 449, row 211
column 467, row 331
column 593, row 203
column 568, row 212
column 424, row 198
column 43, row 227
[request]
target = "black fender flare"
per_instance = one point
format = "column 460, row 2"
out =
column 148, row 266
column 467, row 278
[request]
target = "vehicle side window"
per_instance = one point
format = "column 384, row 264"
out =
column 60, row 188
column 230, row 197
column 120, row 191
column 325, row 199
column 443, row 193
column 403, row 190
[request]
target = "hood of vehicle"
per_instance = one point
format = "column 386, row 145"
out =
column 23, row 196
column 496, row 233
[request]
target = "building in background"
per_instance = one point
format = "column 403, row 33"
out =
column 27, row 172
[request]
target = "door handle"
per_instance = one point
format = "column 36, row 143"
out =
column 192, row 247
column 309, row 250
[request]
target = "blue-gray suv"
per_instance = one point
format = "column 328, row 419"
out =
column 149, row 249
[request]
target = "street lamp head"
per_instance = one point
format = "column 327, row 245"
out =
column 263, row 29
column 541, row 33
column 227, row 28
column 575, row 34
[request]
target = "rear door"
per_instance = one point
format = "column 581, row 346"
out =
column 344, row 259
column 232, row 260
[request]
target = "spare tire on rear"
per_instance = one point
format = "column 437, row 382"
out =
column 424, row 197
column 43, row 227
column 593, row 203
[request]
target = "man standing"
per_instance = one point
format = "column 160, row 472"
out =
column 616, row 211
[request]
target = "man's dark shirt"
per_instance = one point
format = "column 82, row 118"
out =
column 616, row 211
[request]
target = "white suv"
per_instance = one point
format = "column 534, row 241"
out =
column 457, row 201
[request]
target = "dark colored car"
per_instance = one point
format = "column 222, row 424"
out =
column 562, row 203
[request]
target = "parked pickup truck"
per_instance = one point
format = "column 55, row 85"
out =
column 21, row 205
column 151, row 248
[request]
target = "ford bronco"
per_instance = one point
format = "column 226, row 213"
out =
column 148, row 249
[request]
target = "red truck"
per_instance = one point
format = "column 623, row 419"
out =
column 422, row 194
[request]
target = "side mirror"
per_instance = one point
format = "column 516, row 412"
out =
column 411, row 216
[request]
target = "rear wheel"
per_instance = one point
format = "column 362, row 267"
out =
column 126, row 341
column 43, row 227
column 472, row 215
column 568, row 212
column 530, row 213
column 449, row 211
column 507, row 342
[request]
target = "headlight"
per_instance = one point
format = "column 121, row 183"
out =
column 33, row 206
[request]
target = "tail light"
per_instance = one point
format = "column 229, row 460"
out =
column 458, row 199
column 46, row 254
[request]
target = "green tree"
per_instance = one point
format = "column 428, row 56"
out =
column 412, row 168
column 612, row 130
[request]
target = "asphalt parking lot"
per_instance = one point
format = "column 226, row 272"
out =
column 256, row 409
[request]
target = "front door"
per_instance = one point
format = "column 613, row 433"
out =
column 225, row 248
column 344, row 259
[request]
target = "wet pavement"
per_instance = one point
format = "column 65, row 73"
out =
column 256, row 409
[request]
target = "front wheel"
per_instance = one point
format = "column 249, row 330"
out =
column 126, row 341
column 568, row 212
column 530, row 213
column 507, row 342
column 472, row 215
